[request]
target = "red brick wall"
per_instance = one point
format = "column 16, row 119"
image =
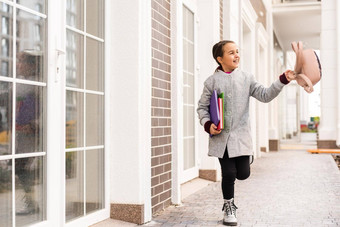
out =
column 161, row 157
column 221, row 19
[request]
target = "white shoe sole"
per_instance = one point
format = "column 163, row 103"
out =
column 230, row 223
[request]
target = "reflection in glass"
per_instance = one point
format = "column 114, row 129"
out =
column 5, row 118
column 95, row 17
column 74, row 59
column 30, row 118
column 6, row 47
column 94, row 120
column 94, row 180
column 30, row 46
column 6, row 193
column 75, row 14
column 74, row 119
column 36, row 5
column 74, row 185
column 30, row 192
column 94, row 65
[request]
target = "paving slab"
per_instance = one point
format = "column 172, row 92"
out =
column 286, row 188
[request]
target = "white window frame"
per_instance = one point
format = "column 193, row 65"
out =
column 179, row 175
column 56, row 36
column 55, row 126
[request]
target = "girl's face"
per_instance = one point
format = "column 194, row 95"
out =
column 230, row 58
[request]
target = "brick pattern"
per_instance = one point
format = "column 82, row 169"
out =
column 221, row 19
column 161, row 157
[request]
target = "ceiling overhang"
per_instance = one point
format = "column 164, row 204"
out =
column 297, row 21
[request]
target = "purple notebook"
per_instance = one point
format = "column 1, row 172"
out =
column 214, row 111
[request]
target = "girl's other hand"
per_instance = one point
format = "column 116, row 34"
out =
column 213, row 129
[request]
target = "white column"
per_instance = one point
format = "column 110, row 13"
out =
column 328, row 53
column 208, row 35
column 231, row 20
column 337, row 12
column 130, row 172
column 247, row 43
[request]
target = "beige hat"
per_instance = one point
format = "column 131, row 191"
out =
column 307, row 67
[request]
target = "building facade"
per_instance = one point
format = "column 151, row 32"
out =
column 98, row 101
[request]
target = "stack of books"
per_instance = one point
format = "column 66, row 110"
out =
column 217, row 109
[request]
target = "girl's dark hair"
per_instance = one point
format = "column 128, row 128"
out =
column 218, row 51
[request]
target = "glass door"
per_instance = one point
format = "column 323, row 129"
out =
column 23, row 80
column 189, row 154
column 84, row 123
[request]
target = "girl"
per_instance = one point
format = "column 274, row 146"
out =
column 233, row 145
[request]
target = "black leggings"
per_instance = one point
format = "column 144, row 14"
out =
column 232, row 168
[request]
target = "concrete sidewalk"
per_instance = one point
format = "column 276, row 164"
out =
column 286, row 188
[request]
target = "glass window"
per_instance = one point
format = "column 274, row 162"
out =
column 94, row 120
column 188, row 90
column 5, row 118
column 6, row 192
column 74, row 119
column 94, row 65
column 30, row 46
column 84, row 108
column 29, row 130
column 94, row 180
column 74, row 185
column 75, row 14
column 36, row 5
column 75, row 59
column 23, row 95
column 6, row 38
column 29, row 190
column 95, row 17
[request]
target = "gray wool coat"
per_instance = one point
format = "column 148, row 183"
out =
column 237, row 86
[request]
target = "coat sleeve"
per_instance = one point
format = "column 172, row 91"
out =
column 262, row 93
column 204, row 103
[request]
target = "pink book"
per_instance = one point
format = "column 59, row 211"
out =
column 220, row 109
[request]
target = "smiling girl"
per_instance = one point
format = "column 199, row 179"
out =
column 233, row 144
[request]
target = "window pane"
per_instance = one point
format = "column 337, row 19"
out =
column 74, row 119
column 189, row 153
column 6, row 192
column 94, row 180
column 190, row 58
column 185, row 26
column 36, row 5
column 94, row 65
column 188, row 119
column 188, row 90
column 94, row 120
column 30, row 191
column 74, row 185
column 74, row 59
column 5, row 118
column 30, row 46
column 6, row 38
column 30, row 119
column 75, row 14
column 95, row 17
column 190, row 26
column 185, row 55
